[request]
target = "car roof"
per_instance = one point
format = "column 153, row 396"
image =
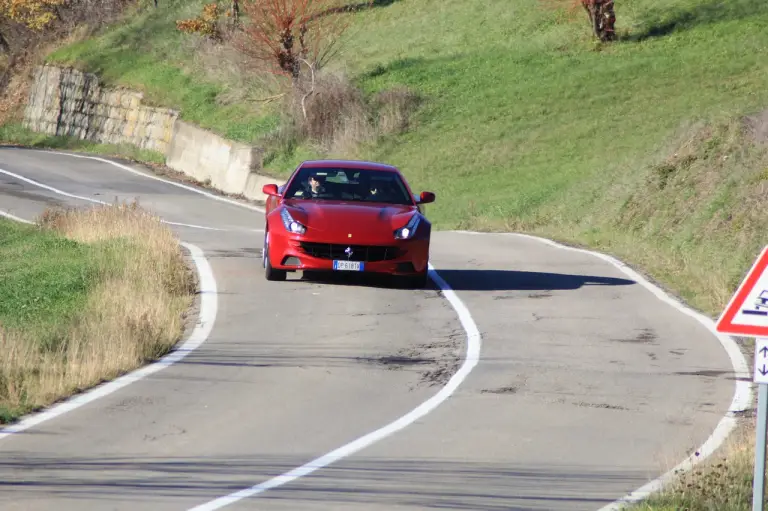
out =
column 349, row 164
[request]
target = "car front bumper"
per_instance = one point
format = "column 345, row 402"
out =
column 401, row 257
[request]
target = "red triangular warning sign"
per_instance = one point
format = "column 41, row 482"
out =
column 747, row 313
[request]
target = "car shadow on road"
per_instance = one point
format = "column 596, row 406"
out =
column 475, row 280
column 518, row 280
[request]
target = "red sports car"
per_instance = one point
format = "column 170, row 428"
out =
column 342, row 215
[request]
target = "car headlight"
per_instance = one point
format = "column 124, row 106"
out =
column 290, row 224
column 409, row 229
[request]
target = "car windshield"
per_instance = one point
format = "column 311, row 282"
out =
column 357, row 185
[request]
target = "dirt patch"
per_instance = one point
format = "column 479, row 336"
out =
column 445, row 369
column 174, row 175
column 757, row 127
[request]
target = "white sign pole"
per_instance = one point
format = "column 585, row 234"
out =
column 761, row 378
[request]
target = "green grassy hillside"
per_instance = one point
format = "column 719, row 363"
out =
column 526, row 123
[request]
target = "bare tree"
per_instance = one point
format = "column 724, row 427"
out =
column 602, row 18
column 285, row 33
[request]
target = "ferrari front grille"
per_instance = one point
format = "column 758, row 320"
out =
column 364, row 253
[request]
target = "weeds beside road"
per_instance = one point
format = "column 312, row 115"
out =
column 88, row 294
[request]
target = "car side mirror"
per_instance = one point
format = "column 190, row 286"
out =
column 270, row 189
column 426, row 197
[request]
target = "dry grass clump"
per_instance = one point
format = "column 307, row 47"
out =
column 133, row 313
column 155, row 255
column 331, row 114
column 395, row 107
column 721, row 484
column 334, row 114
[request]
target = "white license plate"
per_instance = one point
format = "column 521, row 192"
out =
column 348, row 265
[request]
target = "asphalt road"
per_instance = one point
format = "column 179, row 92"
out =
column 587, row 384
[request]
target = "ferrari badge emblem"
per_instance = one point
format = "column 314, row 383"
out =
column 349, row 252
column 349, row 235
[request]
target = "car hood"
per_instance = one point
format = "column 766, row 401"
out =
column 353, row 218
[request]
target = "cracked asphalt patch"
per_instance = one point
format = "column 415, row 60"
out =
column 435, row 360
column 502, row 390
column 646, row 336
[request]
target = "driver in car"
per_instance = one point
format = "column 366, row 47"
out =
column 314, row 185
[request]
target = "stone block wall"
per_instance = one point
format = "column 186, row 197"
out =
column 65, row 101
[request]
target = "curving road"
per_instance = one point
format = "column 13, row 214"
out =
column 587, row 385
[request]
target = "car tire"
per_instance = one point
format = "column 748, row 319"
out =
column 269, row 272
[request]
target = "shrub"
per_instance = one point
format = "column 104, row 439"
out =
column 207, row 24
column 334, row 116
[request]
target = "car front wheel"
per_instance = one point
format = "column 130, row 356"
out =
column 269, row 272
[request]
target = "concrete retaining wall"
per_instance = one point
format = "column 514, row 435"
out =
column 65, row 101
column 226, row 165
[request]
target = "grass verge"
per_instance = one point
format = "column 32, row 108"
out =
column 88, row 294
column 723, row 483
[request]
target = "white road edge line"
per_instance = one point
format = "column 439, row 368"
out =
column 742, row 396
column 15, row 218
column 156, row 178
column 203, row 327
column 89, row 199
column 470, row 361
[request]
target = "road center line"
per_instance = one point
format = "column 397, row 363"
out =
column 470, row 361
